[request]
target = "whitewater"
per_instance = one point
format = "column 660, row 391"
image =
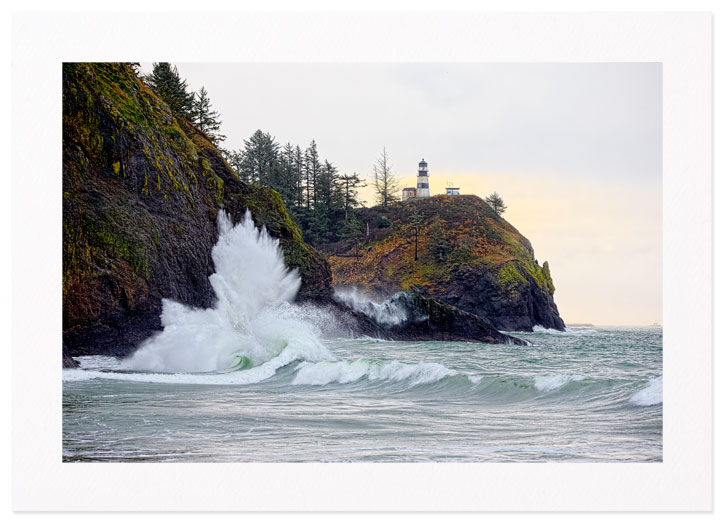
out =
column 257, row 377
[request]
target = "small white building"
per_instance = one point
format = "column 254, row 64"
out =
column 408, row 193
column 453, row 191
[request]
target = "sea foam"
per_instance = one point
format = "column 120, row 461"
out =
column 386, row 313
column 649, row 395
column 549, row 383
column 252, row 319
column 343, row 372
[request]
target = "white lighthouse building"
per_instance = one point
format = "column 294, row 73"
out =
column 422, row 190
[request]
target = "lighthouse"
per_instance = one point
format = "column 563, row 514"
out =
column 422, row 189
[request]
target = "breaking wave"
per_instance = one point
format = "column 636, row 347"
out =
column 252, row 323
column 348, row 372
column 649, row 395
column 549, row 383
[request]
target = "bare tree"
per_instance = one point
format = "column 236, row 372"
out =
column 386, row 186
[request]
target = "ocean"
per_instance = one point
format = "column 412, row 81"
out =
column 260, row 378
column 587, row 394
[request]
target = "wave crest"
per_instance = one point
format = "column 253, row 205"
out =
column 649, row 395
column 549, row 383
column 342, row 372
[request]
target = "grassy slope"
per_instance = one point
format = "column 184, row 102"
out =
column 474, row 235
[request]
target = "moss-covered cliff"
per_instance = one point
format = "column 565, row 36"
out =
column 468, row 257
column 141, row 191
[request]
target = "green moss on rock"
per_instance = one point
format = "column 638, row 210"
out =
column 141, row 191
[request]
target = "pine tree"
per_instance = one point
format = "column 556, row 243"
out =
column 298, row 167
column 327, row 202
column 205, row 118
column 235, row 158
column 349, row 185
column 311, row 170
column 286, row 181
column 496, row 202
column 386, row 186
column 164, row 80
column 259, row 159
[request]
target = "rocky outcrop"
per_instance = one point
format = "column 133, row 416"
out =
column 423, row 319
column 431, row 319
column 68, row 361
column 468, row 257
column 508, row 296
column 141, row 192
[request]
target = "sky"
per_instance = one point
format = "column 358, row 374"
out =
column 575, row 150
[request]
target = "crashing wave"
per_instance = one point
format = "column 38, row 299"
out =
column 343, row 372
column 387, row 313
column 649, row 395
column 252, row 321
column 554, row 382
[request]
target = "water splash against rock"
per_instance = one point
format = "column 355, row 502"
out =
column 253, row 321
column 387, row 313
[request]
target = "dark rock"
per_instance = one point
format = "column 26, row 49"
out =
column 427, row 319
column 517, row 306
column 68, row 361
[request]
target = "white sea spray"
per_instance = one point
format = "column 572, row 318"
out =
column 252, row 319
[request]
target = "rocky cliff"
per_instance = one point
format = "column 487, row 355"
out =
column 141, row 191
column 468, row 257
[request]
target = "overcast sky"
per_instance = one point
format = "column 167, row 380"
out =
column 575, row 150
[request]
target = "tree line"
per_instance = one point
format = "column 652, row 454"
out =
column 165, row 81
column 318, row 197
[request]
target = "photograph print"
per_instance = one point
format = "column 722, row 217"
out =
column 362, row 262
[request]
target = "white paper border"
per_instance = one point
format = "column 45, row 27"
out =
column 682, row 42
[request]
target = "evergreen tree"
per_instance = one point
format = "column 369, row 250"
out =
column 164, row 80
column 327, row 202
column 326, row 184
column 286, row 180
column 260, row 159
column 235, row 158
column 311, row 171
column 496, row 202
column 349, row 185
column 318, row 225
column 299, row 162
column 386, row 186
column 205, row 118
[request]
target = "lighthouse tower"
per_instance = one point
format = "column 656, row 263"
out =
column 422, row 189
